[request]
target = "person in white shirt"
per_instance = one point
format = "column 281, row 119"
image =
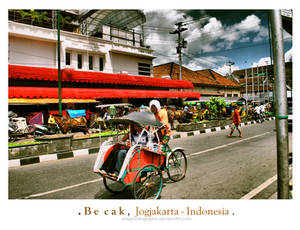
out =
column 136, row 138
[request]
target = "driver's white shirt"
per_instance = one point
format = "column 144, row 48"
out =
column 257, row 109
column 143, row 139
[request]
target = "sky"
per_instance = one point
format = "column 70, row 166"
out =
column 215, row 37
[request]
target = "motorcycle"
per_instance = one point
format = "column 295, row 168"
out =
column 51, row 128
column 41, row 130
column 17, row 127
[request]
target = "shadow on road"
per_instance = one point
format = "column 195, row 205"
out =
column 127, row 194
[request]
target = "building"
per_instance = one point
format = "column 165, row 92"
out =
column 207, row 82
column 102, row 57
column 260, row 80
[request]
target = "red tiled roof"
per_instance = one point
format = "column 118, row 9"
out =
column 69, row 75
column 201, row 77
column 172, row 70
column 214, row 76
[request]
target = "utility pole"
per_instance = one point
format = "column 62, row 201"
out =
column 181, row 44
column 252, row 82
column 257, row 79
column 263, row 81
column 58, row 63
column 246, row 85
column 281, row 105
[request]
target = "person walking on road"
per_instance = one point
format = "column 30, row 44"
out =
column 236, row 122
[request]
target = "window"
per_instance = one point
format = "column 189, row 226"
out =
column 90, row 62
column 235, row 95
column 144, row 69
column 79, row 61
column 68, row 58
column 100, row 64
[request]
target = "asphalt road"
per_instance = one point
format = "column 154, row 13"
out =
column 219, row 167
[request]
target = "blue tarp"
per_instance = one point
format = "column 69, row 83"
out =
column 76, row 113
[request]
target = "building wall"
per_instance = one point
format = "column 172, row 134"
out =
column 121, row 62
column 29, row 52
column 36, row 46
column 228, row 92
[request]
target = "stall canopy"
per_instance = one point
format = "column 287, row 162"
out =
column 70, row 75
column 90, row 93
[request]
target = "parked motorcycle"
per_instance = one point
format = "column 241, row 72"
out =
column 41, row 130
column 17, row 127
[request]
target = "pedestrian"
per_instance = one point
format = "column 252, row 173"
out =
column 161, row 115
column 236, row 122
column 257, row 114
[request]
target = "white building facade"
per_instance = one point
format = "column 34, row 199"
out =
column 37, row 46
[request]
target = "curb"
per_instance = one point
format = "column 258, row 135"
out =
column 83, row 152
column 51, row 157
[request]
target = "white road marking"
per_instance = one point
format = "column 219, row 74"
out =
column 97, row 180
column 226, row 145
column 261, row 187
column 62, row 189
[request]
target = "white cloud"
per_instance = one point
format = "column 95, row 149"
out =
column 157, row 34
column 204, row 36
column 288, row 56
column 262, row 62
column 213, row 26
column 251, row 23
column 203, row 62
column 224, row 70
column 261, row 35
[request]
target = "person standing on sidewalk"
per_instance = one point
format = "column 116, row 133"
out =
column 236, row 122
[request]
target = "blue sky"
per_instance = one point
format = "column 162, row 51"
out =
column 214, row 38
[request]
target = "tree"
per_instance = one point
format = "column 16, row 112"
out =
column 215, row 106
column 36, row 16
column 39, row 17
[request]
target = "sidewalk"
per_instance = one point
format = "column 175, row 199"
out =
column 82, row 152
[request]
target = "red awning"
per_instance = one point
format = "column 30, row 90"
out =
column 69, row 75
column 91, row 93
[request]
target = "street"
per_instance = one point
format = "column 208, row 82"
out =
column 219, row 167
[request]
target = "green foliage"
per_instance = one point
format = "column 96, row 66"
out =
column 65, row 20
column 109, row 133
column 215, row 106
column 36, row 16
column 40, row 17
